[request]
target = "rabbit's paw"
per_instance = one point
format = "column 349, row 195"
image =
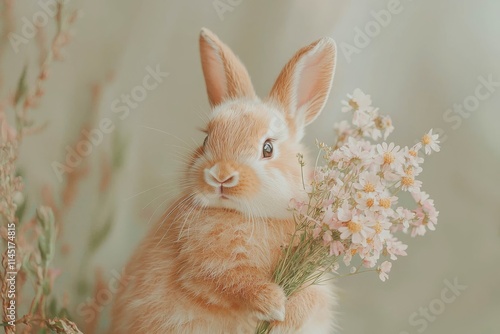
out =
column 270, row 302
column 299, row 308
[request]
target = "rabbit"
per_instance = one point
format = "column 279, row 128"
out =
column 207, row 266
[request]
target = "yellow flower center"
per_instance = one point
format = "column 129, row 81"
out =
column 413, row 153
column 354, row 105
column 354, row 251
column 369, row 187
column 409, row 171
column 369, row 241
column 426, row 139
column 385, row 203
column 388, row 158
column 353, row 227
column 407, row 181
column 378, row 228
column 370, row 202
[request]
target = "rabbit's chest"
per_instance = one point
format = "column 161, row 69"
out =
column 229, row 241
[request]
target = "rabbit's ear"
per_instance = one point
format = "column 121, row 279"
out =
column 303, row 85
column 225, row 76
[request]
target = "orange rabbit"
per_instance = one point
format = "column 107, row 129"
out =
column 207, row 266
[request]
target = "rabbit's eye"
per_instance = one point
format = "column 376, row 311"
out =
column 205, row 141
column 267, row 149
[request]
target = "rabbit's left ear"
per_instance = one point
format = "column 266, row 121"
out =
column 303, row 85
column 225, row 76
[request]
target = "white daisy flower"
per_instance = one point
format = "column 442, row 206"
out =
column 358, row 229
column 369, row 182
column 430, row 142
column 389, row 155
column 357, row 101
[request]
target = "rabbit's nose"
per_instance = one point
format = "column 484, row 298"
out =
column 216, row 177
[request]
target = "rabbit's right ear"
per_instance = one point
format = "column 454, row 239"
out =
column 225, row 76
column 303, row 85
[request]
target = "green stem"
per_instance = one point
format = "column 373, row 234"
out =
column 264, row 327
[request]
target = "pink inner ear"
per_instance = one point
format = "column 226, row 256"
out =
column 213, row 70
column 225, row 76
column 313, row 83
column 215, row 79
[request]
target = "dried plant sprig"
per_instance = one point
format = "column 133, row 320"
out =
column 31, row 262
column 10, row 188
column 26, row 97
column 39, row 265
column 57, row 325
column 7, row 20
column 64, row 326
column 351, row 207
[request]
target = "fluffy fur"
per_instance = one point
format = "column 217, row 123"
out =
column 206, row 267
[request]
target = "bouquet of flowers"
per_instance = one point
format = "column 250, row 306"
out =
column 352, row 210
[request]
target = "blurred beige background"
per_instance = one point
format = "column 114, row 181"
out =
column 420, row 62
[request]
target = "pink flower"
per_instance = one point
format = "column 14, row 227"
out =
column 420, row 196
column 369, row 262
column 383, row 270
column 426, row 218
column 348, row 255
column 327, row 237
column 357, row 152
column 418, row 227
column 395, row 247
column 7, row 133
column 372, row 132
column 300, row 206
column 386, row 125
column 337, row 248
column 362, row 119
column 317, row 231
column 404, row 217
column 339, row 191
column 342, row 128
column 330, row 218
column 387, row 174
column 344, row 213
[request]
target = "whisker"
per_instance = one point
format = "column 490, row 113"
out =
column 145, row 191
column 180, row 204
column 167, row 133
column 154, row 212
column 175, row 218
